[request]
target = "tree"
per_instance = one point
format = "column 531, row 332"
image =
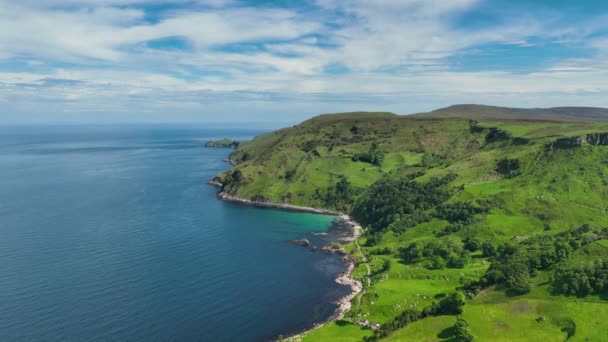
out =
column 436, row 263
column 462, row 332
column 569, row 327
column 452, row 304
column 340, row 194
column 232, row 181
column 517, row 277
column 471, row 243
column 413, row 252
column 487, row 249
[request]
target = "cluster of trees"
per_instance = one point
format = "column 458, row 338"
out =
column 403, row 222
column 451, row 228
column 308, row 146
column 339, row 195
column 460, row 212
column 452, row 304
column 471, row 243
column 514, row 265
column 373, row 238
column 430, row 160
column 438, row 254
column 232, row 181
column 381, row 251
column 508, row 167
column 386, row 266
column 374, row 156
column 581, row 280
column 399, row 202
column 496, row 134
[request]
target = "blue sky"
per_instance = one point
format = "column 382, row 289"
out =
column 285, row 60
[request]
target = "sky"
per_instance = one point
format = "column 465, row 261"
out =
column 286, row 60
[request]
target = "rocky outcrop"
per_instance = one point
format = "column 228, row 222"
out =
column 568, row 142
column 596, row 139
column 216, row 181
column 301, row 242
column 333, row 249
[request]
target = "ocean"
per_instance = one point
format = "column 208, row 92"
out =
column 110, row 233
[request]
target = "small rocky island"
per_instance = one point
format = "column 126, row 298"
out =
column 225, row 143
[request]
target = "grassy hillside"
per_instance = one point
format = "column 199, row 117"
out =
column 475, row 226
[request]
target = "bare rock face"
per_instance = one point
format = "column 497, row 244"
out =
column 216, row 181
column 569, row 142
column 595, row 139
column 333, row 249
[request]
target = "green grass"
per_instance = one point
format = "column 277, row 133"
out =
column 497, row 317
column 432, row 329
column 555, row 190
column 337, row 331
column 513, row 320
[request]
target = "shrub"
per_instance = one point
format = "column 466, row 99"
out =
column 374, row 156
column 452, row 304
column 508, row 167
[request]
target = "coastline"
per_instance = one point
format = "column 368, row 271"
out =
column 345, row 278
column 288, row 207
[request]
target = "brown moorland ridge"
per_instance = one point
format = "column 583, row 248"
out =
column 483, row 112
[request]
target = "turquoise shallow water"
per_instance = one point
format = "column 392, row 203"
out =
column 110, row 234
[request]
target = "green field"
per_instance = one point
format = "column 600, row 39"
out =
column 513, row 185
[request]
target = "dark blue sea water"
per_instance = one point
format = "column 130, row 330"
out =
column 109, row 233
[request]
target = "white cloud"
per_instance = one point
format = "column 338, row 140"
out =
column 393, row 52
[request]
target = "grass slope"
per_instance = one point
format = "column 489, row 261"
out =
column 556, row 185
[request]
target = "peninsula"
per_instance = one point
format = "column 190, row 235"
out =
column 224, row 143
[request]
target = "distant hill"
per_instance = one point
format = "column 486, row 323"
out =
column 481, row 112
column 332, row 118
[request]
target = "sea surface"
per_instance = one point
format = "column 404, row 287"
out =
column 110, row 233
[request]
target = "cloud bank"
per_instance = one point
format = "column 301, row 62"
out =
column 133, row 60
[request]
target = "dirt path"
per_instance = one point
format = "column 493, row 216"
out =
column 369, row 272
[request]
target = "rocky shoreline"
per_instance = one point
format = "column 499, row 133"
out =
column 280, row 206
column 345, row 278
column 225, row 197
